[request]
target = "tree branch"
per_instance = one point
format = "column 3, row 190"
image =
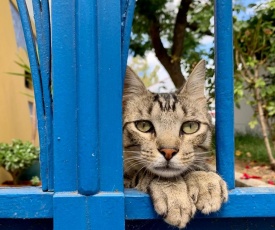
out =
column 173, row 68
column 250, row 75
column 160, row 51
column 179, row 30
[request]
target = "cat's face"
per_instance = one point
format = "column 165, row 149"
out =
column 165, row 133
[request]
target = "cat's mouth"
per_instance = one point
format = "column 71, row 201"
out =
column 167, row 171
column 167, row 168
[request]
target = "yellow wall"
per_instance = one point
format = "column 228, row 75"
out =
column 15, row 121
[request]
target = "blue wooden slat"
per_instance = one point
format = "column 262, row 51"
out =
column 243, row 202
column 70, row 211
column 127, row 11
column 36, row 78
column 110, row 95
column 42, row 25
column 28, row 202
column 64, row 94
column 107, row 211
column 87, row 92
column 32, row 202
column 224, row 91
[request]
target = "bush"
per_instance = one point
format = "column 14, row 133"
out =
column 17, row 156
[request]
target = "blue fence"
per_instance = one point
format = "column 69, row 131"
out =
column 78, row 84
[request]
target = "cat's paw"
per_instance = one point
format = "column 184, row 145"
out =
column 207, row 189
column 171, row 200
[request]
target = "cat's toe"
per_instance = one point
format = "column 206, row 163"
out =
column 224, row 191
column 172, row 202
column 208, row 191
column 180, row 216
column 207, row 207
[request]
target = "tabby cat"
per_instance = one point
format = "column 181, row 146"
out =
column 166, row 137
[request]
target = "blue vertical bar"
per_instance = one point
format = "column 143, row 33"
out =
column 42, row 25
column 36, row 78
column 106, row 211
column 70, row 211
column 110, row 95
column 64, row 94
column 87, row 92
column 127, row 11
column 224, row 91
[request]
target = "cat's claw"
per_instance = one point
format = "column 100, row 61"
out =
column 207, row 189
column 171, row 200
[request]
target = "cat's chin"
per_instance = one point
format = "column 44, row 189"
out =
column 167, row 172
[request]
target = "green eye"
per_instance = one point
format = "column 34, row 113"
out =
column 190, row 127
column 144, row 126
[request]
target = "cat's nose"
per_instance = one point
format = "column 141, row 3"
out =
column 168, row 153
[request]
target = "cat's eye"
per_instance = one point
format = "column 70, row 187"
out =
column 144, row 126
column 190, row 127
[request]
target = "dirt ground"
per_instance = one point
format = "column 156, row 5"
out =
column 252, row 170
column 256, row 171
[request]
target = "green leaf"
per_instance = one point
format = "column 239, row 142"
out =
column 17, row 74
column 252, row 124
column 271, row 70
column 17, row 156
column 259, row 83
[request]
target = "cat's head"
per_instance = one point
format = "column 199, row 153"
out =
column 166, row 133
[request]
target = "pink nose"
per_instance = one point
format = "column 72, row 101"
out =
column 168, row 153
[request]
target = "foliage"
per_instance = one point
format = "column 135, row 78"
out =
column 35, row 181
column 26, row 68
column 17, row 156
column 254, row 48
column 173, row 32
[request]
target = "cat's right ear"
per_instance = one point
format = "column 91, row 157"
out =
column 133, row 86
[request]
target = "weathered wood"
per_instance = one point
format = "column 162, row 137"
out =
column 64, row 88
column 28, row 202
column 87, row 98
column 224, row 91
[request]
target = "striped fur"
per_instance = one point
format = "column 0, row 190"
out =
column 167, row 112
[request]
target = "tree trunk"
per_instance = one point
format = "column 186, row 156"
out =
column 271, row 132
column 264, row 128
column 172, row 66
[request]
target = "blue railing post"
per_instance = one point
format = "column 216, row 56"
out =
column 64, row 95
column 224, row 90
column 43, row 33
column 87, row 85
column 41, row 82
column 87, row 96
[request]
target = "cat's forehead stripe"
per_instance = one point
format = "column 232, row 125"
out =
column 166, row 101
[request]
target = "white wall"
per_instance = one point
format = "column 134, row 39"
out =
column 242, row 117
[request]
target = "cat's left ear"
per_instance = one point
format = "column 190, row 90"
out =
column 133, row 86
column 194, row 86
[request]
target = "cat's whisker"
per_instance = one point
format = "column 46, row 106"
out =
column 135, row 160
column 202, row 153
column 204, row 158
column 131, row 151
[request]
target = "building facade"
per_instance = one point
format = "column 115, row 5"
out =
column 17, row 107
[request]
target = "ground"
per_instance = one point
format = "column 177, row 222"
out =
column 254, row 170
